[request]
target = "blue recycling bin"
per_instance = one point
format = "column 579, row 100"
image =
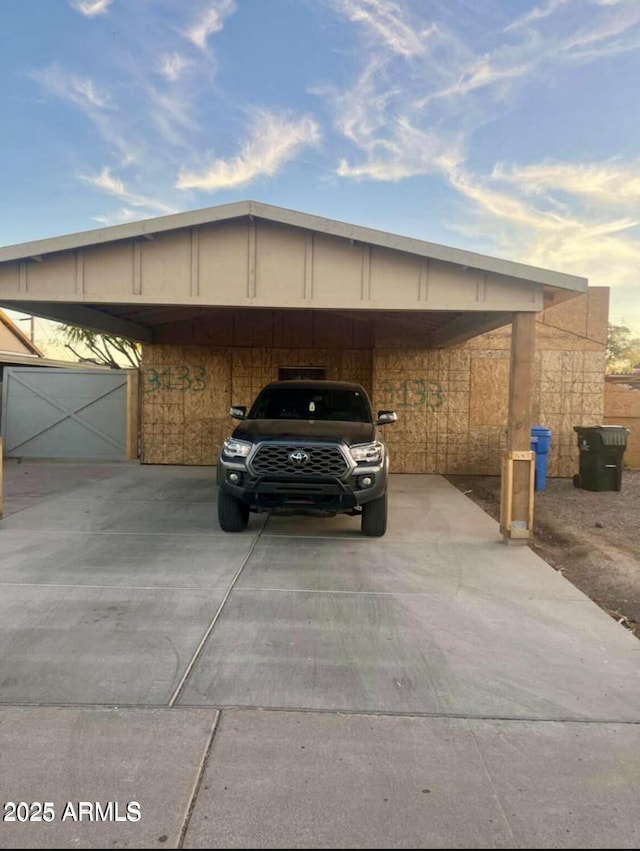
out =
column 540, row 443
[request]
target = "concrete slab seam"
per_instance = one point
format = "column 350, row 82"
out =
column 198, row 781
column 380, row 713
column 352, row 537
column 336, row 592
column 111, row 587
column 65, row 532
column 365, row 713
column 211, row 626
column 100, row 500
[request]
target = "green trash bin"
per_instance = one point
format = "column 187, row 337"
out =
column 602, row 450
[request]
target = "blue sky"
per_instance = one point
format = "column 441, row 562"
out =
column 507, row 127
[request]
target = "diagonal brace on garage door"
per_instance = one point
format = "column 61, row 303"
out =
column 67, row 413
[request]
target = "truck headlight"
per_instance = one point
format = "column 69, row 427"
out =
column 367, row 453
column 233, row 448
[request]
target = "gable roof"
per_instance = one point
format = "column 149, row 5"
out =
column 306, row 221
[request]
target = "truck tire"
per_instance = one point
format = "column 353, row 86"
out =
column 233, row 515
column 374, row 517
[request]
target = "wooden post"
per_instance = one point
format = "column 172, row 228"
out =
column 133, row 413
column 517, row 491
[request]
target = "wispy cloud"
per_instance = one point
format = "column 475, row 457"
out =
column 546, row 231
column 274, row 140
column 107, row 182
column 172, row 114
column 483, row 73
column 537, row 13
column 611, row 27
column 610, row 183
column 91, row 8
column 211, row 20
column 415, row 109
column 383, row 120
column 172, row 65
column 407, row 151
column 97, row 105
column 120, row 217
column 389, row 22
column 75, row 88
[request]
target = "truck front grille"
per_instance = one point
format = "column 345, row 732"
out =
column 314, row 460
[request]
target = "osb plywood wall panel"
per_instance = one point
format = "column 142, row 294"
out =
column 252, row 368
column 571, row 393
column 432, row 392
column 187, row 392
column 452, row 403
column 585, row 317
column 489, row 403
column 186, row 395
column 622, row 407
column 452, row 410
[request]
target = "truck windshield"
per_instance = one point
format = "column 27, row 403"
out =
column 302, row 403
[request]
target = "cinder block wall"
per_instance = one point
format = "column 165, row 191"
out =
column 452, row 403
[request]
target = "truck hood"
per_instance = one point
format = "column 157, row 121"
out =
column 305, row 430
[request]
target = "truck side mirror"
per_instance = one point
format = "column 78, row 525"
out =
column 386, row 417
column 238, row 412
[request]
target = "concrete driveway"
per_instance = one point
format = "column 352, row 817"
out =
column 299, row 685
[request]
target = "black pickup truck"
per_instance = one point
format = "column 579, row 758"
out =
column 306, row 447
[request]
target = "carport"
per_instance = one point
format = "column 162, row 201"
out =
column 298, row 685
column 230, row 285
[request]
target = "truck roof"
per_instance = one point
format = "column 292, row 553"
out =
column 312, row 383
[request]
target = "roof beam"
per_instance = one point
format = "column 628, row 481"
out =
column 86, row 317
column 465, row 327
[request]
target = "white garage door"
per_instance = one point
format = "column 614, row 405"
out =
column 64, row 413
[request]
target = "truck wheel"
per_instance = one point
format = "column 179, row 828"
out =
column 374, row 517
column 233, row 514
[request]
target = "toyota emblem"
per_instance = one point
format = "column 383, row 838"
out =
column 299, row 458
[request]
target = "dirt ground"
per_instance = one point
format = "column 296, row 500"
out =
column 592, row 538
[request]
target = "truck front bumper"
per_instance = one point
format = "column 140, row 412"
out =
column 290, row 492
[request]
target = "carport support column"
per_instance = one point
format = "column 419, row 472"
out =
column 518, row 465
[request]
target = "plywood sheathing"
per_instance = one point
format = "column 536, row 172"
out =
column 465, row 409
column 622, row 407
column 451, row 402
column 230, row 355
column 186, row 393
column 188, row 390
